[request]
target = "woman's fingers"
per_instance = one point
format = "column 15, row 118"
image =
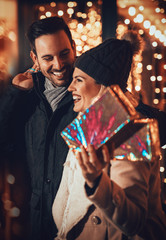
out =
column 88, row 163
column 89, row 160
column 105, row 153
column 80, row 161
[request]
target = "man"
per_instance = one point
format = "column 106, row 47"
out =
column 33, row 113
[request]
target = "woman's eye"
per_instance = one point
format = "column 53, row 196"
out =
column 79, row 80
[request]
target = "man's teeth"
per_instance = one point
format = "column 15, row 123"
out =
column 59, row 74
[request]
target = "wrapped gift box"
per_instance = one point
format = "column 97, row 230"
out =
column 143, row 145
column 112, row 119
column 101, row 121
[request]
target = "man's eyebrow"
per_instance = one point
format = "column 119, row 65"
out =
column 47, row 55
column 66, row 49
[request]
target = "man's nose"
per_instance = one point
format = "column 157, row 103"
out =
column 57, row 63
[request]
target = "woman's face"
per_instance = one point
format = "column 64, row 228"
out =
column 84, row 89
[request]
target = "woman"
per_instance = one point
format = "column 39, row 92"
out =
column 100, row 198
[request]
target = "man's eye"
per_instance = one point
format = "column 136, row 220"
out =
column 47, row 59
column 64, row 54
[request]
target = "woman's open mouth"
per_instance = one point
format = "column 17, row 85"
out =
column 76, row 98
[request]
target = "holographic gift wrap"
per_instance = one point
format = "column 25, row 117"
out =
column 101, row 121
column 143, row 145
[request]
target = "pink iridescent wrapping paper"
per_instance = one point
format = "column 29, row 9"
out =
column 143, row 145
column 111, row 119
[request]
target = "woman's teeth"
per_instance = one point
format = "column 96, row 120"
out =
column 76, row 98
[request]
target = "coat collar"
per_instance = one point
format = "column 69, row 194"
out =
column 68, row 210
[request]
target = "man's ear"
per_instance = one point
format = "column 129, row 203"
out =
column 33, row 57
column 74, row 47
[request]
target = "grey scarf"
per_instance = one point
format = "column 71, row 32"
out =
column 54, row 94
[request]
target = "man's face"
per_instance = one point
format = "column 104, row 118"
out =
column 55, row 57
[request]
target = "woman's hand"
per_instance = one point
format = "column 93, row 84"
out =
column 24, row 80
column 91, row 165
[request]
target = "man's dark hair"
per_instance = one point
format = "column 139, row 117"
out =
column 46, row 26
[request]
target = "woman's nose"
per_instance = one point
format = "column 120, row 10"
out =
column 71, row 87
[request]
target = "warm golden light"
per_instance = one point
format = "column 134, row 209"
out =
column 70, row 11
column 146, row 24
column 132, row 11
column 162, row 169
column 162, row 10
column 141, row 31
column 89, row 4
column 42, row 16
column 159, row 56
column 79, row 48
column 157, row 90
column 152, row 30
column 162, row 38
column 153, row 78
column 155, row 55
column 159, row 78
column 157, row 10
column 42, row 8
column 139, row 18
column 88, row 25
column 70, row 4
column 84, row 37
column 53, row 4
column 79, row 14
column 86, row 48
column 141, row 8
column 127, row 21
column 137, row 88
column 155, row 101
column 60, row 13
column 48, row 14
column 154, row 44
column 157, row 33
column 84, row 15
column 149, row 67
column 163, row 20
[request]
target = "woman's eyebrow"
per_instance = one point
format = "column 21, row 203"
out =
column 78, row 76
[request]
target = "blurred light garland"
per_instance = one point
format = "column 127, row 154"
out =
column 153, row 25
column 135, row 17
column 85, row 24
